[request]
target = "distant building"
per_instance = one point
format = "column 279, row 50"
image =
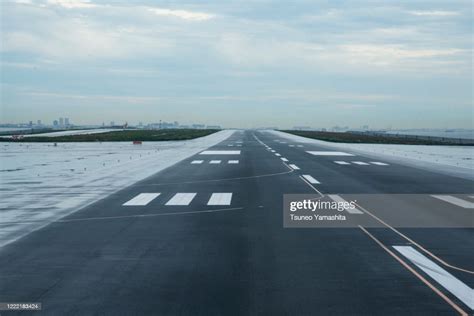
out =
column 61, row 121
column 66, row 121
column 55, row 123
column 112, row 123
column 38, row 122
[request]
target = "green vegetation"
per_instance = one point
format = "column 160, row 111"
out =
column 367, row 138
column 120, row 136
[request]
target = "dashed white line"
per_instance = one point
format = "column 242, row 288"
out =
column 215, row 162
column 338, row 199
column 142, row 199
column 299, row 146
column 342, row 163
column 233, row 162
column 277, row 154
column 220, row 152
column 443, row 277
column 291, row 145
column 311, row 179
column 272, row 151
column 378, row 163
column 181, row 199
column 284, row 159
column 220, row 199
column 360, row 163
column 196, row 162
column 294, row 167
column 454, row 200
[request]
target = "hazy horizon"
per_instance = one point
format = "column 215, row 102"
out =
column 304, row 63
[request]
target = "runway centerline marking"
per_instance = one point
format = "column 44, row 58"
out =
column 232, row 162
column 443, row 277
column 220, row 152
column 215, row 162
column 142, row 199
column 220, row 199
column 454, row 200
column 311, row 179
column 338, row 199
column 196, row 162
column 378, row 163
column 294, row 167
column 342, row 163
column 181, row 199
column 284, row 159
column 360, row 163
column 277, row 154
column 329, row 153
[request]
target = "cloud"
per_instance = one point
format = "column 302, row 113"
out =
column 435, row 13
column 72, row 4
column 182, row 14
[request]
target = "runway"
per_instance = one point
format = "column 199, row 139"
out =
column 206, row 237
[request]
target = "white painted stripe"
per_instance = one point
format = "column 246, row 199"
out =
column 220, row 199
column 230, row 145
column 291, row 145
column 299, row 145
column 272, row 151
column 215, row 162
column 284, row 159
column 220, row 152
column 360, row 163
column 310, row 179
column 196, row 162
column 329, row 153
column 443, row 277
column 454, row 200
column 294, row 167
column 277, row 154
column 338, row 199
column 233, row 162
column 142, row 199
column 181, row 199
column 378, row 163
column 342, row 162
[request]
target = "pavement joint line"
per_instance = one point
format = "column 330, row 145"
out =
column 414, row 272
column 147, row 215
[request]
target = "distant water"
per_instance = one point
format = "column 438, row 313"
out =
column 457, row 133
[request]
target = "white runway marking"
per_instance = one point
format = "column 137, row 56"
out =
column 215, row 162
column 311, row 179
column 379, row 163
column 233, row 162
column 230, row 145
column 338, row 199
column 220, row 199
column 220, row 152
column 291, row 145
column 329, row 153
column 284, row 159
column 272, row 151
column 181, row 199
column 454, row 200
column 342, row 163
column 294, row 167
column 196, row 162
column 142, row 199
column 277, row 154
column 443, row 277
column 360, row 163
column 299, row 145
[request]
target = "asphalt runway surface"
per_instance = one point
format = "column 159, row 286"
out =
column 206, row 237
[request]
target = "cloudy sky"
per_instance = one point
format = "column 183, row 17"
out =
column 397, row 64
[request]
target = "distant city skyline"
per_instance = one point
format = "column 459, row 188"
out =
column 241, row 64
